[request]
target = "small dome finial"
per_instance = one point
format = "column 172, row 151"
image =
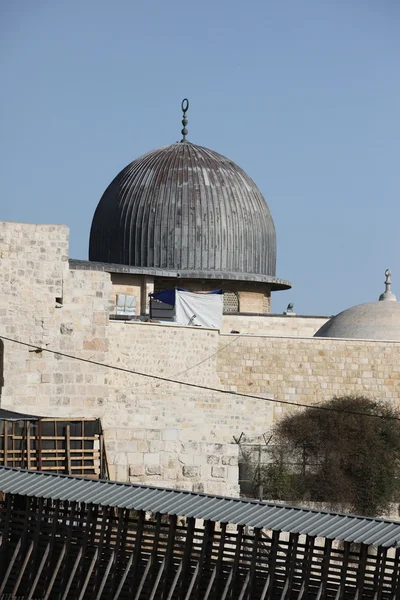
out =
column 388, row 294
column 185, row 107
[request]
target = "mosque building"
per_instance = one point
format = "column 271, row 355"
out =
column 77, row 338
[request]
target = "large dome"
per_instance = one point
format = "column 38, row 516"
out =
column 186, row 209
column 369, row 321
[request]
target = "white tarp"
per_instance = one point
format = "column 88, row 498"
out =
column 198, row 309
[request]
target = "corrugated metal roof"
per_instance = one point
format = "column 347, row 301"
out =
column 280, row 517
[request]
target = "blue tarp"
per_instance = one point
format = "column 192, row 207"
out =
column 168, row 296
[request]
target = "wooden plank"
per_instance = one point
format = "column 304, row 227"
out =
column 40, row 446
column 192, row 582
column 68, row 448
column 252, row 571
column 72, row 575
column 38, row 524
column 137, row 551
column 236, row 560
column 10, row 565
column 55, row 573
column 210, row 583
column 396, row 576
column 97, row 573
column 379, row 576
column 361, row 571
column 71, row 519
column 158, row 578
column 88, row 575
column 39, row 572
column 169, row 552
column 290, row 565
column 5, row 533
column 325, row 569
column 187, row 552
column 28, row 444
column 228, row 584
column 5, row 455
column 121, row 521
column 307, row 565
column 143, row 579
column 105, row 577
column 22, row 570
column 218, row 566
column 245, row 586
column 175, row 581
column 87, row 524
column 269, row 584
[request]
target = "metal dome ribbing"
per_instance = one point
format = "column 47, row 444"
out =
column 186, row 208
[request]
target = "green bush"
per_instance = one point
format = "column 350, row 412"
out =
column 335, row 457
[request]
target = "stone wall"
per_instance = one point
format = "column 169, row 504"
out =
column 156, row 431
column 307, row 371
column 43, row 303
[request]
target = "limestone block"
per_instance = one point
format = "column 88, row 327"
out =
column 151, row 458
column 135, row 458
column 170, row 435
column 190, row 471
column 218, row 472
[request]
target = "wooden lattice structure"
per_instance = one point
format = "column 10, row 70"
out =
column 68, row 446
column 74, row 549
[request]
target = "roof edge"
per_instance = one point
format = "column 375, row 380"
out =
column 88, row 265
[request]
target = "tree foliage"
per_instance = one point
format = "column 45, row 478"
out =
column 338, row 458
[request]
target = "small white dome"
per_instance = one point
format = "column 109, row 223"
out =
column 370, row 321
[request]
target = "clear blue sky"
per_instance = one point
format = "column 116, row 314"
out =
column 302, row 94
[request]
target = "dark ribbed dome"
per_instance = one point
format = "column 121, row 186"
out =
column 186, row 208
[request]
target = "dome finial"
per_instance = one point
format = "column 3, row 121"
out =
column 185, row 107
column 388, row 294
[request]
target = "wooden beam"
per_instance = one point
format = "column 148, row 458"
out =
column 269, row 584
column 22, row 569
column 105, row 577
column 39, row 572
column 187, row 552
column 55, row 573
column 192, row 582
column 252, row 572
column 143, row 579
column 72, row 574
column 28, row 444
column 290, row 565
column 307, row 565
column 68, row 448
column 208, row 531
column 10, row 565
column 88, row 575
column 236, row 560
column 158, row 578
column 175, row 581
column 325, row 569
column 361, row 571
column 137, row 551
column 169, row 553
column 218, row 566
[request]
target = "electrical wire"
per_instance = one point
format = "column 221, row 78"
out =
column 199, row 386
